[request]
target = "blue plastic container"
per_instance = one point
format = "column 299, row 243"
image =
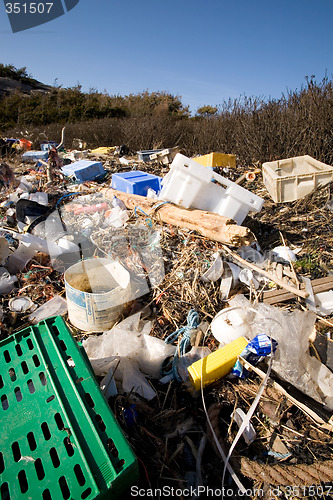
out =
column 84, row 170
column 136, row 182
column 46, row 146
column 35, row 155
column 145, row 155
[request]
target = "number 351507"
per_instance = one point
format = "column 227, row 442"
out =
column 28, row 8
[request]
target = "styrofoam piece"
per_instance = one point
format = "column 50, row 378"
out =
column 293, row 178
column 324, row 303
column 124, row 161
column 84, row 170
column 284, row 253
column 189, row 184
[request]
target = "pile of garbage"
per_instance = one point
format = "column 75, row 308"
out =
column 201, row 293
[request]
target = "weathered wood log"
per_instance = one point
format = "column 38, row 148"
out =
column 210, row 225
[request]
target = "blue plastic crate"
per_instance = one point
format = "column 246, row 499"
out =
column 84, row 170
column 145, row 155
column 35, row 155
column 136, row 182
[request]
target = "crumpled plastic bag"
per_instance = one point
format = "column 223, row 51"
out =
column 292, row 361
column 127, row 373
column 138, row 352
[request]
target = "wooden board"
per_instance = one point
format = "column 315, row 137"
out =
column 276, row 296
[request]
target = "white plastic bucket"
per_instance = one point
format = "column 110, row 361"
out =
column 97, row 291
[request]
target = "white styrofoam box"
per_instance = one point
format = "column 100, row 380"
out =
column 293, row 178
column 190, row 184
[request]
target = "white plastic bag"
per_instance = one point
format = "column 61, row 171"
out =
column 138, row 352
column 292, row 361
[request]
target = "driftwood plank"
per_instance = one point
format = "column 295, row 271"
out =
column 319, row 285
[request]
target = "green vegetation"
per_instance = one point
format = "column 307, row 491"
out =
column 252, row 128
column 306, row 264
column 207, row 111
column 21, row 75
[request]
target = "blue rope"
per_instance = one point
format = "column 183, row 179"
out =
column 275, row 454
column 148, row 219
column 185, row 331
column 155, row 207
column 65, row 196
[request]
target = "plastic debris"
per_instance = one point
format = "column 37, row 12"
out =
column 284, row 254
column 249, row 434
column 217, row 364
column 258, row 348
column 6, row 281
column 189, row 184
column 292, row 361
column 57, row 306
column 138, row 354
column 21, row 304
column 324, row 303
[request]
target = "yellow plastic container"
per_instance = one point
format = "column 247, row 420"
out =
column 217, row 364
column 103, row 150
column 216, row 160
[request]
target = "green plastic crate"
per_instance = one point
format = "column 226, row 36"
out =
column 59, row 438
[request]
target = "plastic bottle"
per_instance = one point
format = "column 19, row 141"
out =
column 6, row 281
column 217, row 364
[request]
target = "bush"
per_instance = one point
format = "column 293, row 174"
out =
column 252, row 128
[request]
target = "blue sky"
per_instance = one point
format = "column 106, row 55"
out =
column 203, row 50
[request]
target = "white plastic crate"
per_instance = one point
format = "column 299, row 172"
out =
column 190, row 184
column 293, row 178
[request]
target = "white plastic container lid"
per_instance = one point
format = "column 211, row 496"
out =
column 20, row 304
